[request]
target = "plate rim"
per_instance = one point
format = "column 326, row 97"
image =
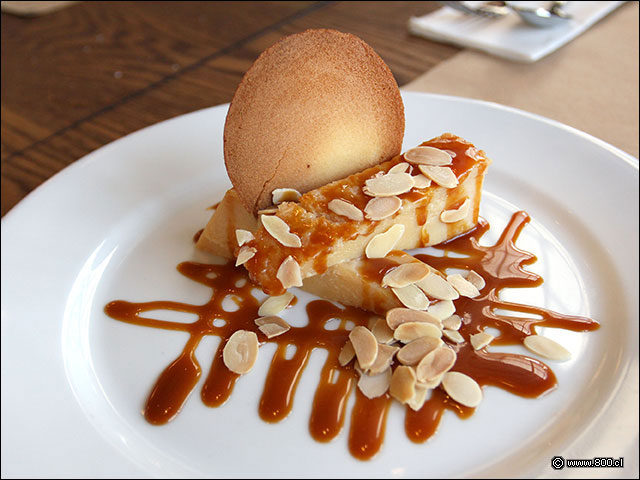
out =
column 31, row 198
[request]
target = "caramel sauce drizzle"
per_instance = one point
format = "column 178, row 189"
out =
column 197, row 235
column 502, row 267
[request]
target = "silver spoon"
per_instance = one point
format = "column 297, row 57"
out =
column 541, row 17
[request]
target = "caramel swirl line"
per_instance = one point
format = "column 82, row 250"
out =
column 501, row 265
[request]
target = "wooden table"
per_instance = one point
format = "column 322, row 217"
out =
column 79, row 78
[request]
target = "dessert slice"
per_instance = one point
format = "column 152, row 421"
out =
column 423, row 197
column 358, row 283
column 219, row 236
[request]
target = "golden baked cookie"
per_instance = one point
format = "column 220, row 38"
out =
column 315, row 107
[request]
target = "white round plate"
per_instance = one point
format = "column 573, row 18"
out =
column 115, row 224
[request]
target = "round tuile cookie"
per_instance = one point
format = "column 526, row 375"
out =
column 315, row 107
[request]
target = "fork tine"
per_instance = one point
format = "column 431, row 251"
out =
column 482, row 11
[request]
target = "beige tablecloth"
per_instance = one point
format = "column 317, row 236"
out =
column 590, row 84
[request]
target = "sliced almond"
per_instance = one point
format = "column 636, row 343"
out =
column 379, row 208
column 373, row 386
column 347, row 353
column 271, row 330
column 437, row 287
column 476, row 280
column 268, row 211
column 243, row 236
column 408, row 332
column 389, row 185
column 241, row 351
column 547, row 348
column 433, row 383
column 411, row 297
column 443, row 176
column 245, row 254
column 275, row 305
column 345, row 209
column 280, row 195
column 272, row 326
column 428, row 156
column 401, row 167
column 464, row 287
column 279, row 230
column 289, row 273
column 452, row 323
column 480, row 340
column 420, row 181
column 462, row 388
column 381, row 330
column 453, row 335
column 419, row 397
column 380, row 245
column 456, row 214
column 435, row 364
column 403, row 384
column 365, row 345
column 442, row 309
column 383, row 359
column 416, row 350
column 405, row 274
column 398, row 316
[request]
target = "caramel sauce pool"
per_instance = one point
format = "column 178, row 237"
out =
column 501, row 265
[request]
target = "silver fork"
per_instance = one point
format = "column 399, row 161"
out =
column 489, row 9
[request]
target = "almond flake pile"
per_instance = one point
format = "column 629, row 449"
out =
column 413, row 354
column 415, row 284
column 409, row 357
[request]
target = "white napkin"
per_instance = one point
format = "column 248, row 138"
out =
column 509, row 36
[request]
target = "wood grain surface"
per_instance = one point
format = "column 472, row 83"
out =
column 79, row 78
